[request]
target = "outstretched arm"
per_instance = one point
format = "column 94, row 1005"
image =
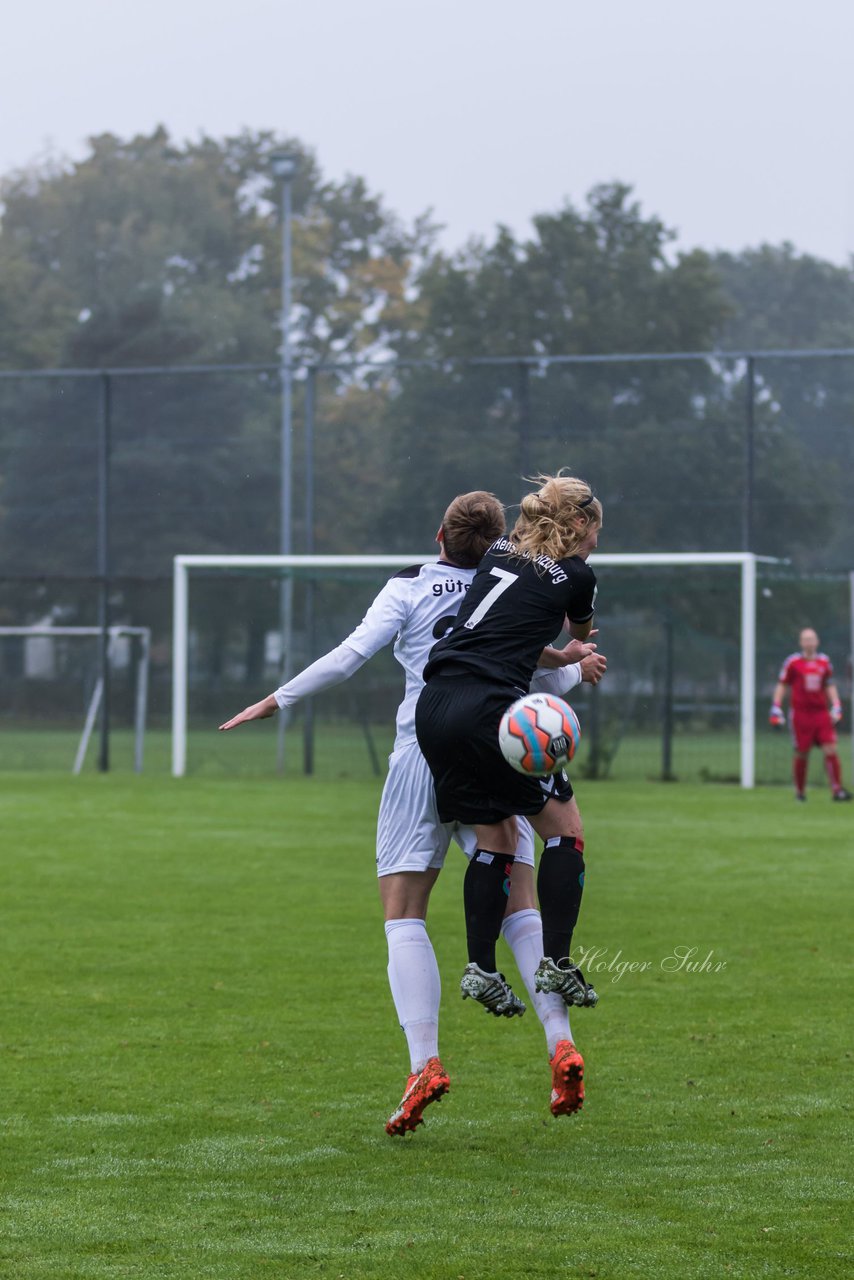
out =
column 331, row 669
column 379, row 626
column 258, row 711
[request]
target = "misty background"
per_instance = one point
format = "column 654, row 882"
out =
column 488, row 211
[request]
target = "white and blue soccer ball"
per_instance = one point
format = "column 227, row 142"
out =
column 539, row 734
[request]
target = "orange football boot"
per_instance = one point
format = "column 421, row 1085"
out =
column 567, row 1067
column 428, row 1085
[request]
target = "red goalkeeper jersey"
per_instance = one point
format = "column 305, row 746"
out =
column 807, row 678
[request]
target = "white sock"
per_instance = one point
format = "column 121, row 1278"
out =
column 413, row 976
column 524, row 934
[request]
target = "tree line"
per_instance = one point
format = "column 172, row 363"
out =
column 150, row 251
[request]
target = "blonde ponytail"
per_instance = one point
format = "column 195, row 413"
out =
column 556, row 519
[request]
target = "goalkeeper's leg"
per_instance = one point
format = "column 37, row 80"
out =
column 800, row 760
column 834, row 771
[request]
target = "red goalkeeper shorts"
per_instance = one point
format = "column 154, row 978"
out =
column 812, row 729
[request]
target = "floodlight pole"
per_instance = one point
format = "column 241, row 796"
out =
column 104, row 434
column 523, row 390
column 749, row 457
column 284, row 168
column 308, row 705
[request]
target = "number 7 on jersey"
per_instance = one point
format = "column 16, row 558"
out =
column 505, row 580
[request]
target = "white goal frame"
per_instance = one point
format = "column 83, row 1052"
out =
column 746, row 561
column 141, row 681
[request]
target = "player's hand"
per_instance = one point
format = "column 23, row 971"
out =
column 593, row 668
column 575, row 651
column 258, row 711
column 776, row 718
column 836, row 712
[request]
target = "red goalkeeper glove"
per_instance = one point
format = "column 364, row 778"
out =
column 776, row 716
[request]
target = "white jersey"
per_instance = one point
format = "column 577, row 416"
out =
column 415, row 608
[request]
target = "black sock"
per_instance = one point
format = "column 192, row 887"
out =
column 485, row 890
column 560, row 884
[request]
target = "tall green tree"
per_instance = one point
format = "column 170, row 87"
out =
column 589, row 281
column 665, row 443
column 148, row 251
column 781, row 300
column 154, row 252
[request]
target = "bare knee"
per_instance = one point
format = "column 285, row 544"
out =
column 406, row 894
column 558, row 818
column 497, row 837
column 522, row 896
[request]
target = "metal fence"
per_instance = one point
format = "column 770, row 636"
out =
column 106, row 474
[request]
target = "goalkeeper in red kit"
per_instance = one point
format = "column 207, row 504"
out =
column 815, row 712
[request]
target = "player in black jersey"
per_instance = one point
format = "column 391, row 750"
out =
column 413, row 609
column 527, row 587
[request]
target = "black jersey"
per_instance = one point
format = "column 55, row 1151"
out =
column 514, row 607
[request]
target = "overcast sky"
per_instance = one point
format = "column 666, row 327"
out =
column 732, row 119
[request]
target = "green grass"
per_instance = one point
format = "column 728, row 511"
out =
column 198, row 1048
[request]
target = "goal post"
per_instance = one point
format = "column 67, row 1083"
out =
column 183, row 566
column 745, row 562
column 114, row 634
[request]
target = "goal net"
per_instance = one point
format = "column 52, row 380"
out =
column 693, row 641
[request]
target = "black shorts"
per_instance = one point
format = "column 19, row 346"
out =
column 456, row 720
column 557, row 786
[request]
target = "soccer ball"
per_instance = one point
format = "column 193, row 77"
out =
column 538, row 734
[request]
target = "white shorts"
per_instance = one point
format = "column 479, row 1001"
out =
column 465, row 838
column 410, row 836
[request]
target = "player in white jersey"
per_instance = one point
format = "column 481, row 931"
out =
column 414, row 609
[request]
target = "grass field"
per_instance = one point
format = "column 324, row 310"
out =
column 198, row 1049
column 342, row 748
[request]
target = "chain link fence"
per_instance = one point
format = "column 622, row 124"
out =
column 106, row 475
